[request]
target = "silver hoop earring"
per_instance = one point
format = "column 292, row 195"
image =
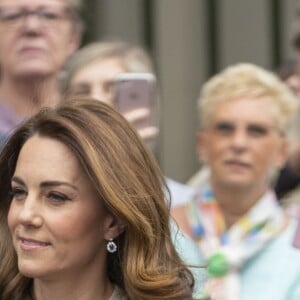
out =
column 111, row 246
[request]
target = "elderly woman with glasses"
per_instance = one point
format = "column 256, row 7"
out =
column 36, row 39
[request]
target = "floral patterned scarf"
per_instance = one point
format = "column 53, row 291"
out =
column 226, row 251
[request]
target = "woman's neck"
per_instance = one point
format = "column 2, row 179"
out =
column 236, row 202
column 78, row 287
column 27, row 96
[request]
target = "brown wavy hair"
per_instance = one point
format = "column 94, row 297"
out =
column 126, row 177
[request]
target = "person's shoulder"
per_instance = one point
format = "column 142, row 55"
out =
column 280, row 254
column 189, row 252
column 280, row 263
column 179, row 192
column 185, row 246
column 9, row 119
column 284, row 242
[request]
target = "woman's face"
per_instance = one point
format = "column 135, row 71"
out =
column 96, row 79
column 37, row 37
column 241, row 144
column 58, row 225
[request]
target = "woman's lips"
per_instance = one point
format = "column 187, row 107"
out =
column 31, row 51
column 31, row 244
column 237, row 164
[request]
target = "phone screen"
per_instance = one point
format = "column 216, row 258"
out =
column 135, row 91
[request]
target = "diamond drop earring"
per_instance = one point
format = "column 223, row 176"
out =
column 111, row 246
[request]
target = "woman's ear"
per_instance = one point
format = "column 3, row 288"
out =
column 113, row 227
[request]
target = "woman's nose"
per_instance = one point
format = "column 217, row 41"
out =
column 31, row 24
column 30, row 212
column 239, row 139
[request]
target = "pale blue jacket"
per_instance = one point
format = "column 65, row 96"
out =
column 190, row 254
column 274, row 273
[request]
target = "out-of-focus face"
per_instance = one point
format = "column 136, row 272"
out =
column 241, row 144
column 37, row 36
column 57, row 224
column 96, row 79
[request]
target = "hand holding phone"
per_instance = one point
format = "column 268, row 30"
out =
column 136, row 99
column 138, row 115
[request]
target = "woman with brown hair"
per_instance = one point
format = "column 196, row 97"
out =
column 83, row 213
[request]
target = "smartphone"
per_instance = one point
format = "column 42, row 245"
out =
column 296, row 240
column 134, row 91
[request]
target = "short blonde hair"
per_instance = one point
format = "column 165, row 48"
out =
column 251, row 81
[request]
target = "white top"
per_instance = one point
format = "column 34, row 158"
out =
column 180, row 193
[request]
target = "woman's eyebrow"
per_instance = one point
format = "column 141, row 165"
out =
column 54, row 183
column 17, row 179
column 50, row 183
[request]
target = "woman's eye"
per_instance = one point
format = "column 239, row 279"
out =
column 224, row 128
column 17, row 193
column 257, row 131
column 57, row 197
column 79, row 90
column 49, row 15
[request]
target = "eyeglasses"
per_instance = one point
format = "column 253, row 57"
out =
column 48, row 16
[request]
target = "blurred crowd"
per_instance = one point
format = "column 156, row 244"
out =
column 231, row 232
